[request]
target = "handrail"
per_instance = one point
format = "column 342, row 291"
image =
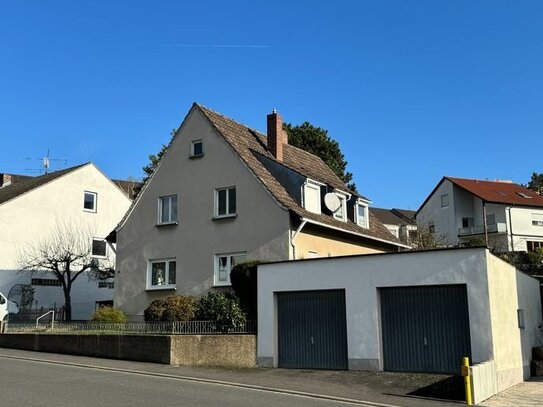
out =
column 52, row 319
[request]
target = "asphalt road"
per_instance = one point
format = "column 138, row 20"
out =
column 34, row 383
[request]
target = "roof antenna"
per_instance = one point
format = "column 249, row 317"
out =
column 46, row 163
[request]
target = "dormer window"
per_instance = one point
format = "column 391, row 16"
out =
column 312, row 196
column 341, row 212
column 362, row 214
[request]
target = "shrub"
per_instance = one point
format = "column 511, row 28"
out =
column 221, row 309
column 171, row 308
column 109, row 315
column 244, row 283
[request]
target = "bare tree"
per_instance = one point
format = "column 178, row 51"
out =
column 66, row 252
column 427, row 238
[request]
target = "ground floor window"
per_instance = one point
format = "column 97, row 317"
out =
column 534, row 245
column 161, row 274
column 224, row 263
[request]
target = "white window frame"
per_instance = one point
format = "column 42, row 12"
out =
column 537, row 219
column 166, row 285
column 192, row 144
column 445, row 201
column 365, row 222
column 95, row 201
column 228, row 214
column 216, row 272
column 343, row 198
column 100, row 256
column 316, row 186
column 170, row 221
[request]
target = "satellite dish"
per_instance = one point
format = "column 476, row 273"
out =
column 332, row 201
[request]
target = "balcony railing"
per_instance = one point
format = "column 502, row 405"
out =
column 480, row 229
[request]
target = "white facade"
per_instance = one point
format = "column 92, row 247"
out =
column 29, row 217
column 495, row 291
column 457, row 216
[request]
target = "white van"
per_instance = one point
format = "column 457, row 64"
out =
column 7, row 307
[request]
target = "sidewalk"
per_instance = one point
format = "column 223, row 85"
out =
column 527, row 394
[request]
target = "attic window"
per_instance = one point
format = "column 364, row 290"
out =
column 196, row 148
column 89, row 201
column 524, row 195
column 362, row 214
column 501, row 192
column 312, row 196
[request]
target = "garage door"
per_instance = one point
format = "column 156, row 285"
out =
column 312, row 329
column 425, row 329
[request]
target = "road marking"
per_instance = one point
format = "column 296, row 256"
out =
column 343, row 400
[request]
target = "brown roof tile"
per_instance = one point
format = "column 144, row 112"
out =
column 12, row 191
column 499, row 191
column 246, row 142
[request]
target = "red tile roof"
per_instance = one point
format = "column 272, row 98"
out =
column 499, row 191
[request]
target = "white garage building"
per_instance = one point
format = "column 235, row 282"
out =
column 411, row 311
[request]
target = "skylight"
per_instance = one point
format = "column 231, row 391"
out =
column 524, row 195
column 501, row 192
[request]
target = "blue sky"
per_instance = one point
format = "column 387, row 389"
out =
column 412, row 90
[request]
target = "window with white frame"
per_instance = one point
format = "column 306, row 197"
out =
column 341, row 212
column 225, row 202
column 362, row 214
column 312, row 196
column 537, row 219
column 444, row 200
column 224, row 264
column 161, row 274
column 196, row 148
column 167, row 209
column 89, row 201
column 99, row 248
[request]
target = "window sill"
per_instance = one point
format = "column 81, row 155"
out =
column 162, row 288
column 217, row 285
column 89, row 210
column 195, row 156
column 221, row 217
column 167, row 224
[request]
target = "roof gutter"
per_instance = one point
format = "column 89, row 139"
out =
column 292, row 242
column 305, row 220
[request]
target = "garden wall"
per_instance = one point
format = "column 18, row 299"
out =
column 185, row 350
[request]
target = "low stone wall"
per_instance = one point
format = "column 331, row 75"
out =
column 182, row 350
column 214, row 350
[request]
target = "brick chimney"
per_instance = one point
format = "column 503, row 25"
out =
column 276, row 136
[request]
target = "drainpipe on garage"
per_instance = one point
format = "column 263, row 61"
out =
column 484, row 223
column 292, row 242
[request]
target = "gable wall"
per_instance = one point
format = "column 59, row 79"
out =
column 261, row 227
column 30, row 216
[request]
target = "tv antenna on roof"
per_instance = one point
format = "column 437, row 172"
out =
column 46, row 163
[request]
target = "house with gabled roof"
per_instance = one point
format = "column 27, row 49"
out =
column 223, row 193
column 400, row 222
column 31, row 207
column 505, row 215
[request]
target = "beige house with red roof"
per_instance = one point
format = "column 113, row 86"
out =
column 224, row 193
column 506, row 215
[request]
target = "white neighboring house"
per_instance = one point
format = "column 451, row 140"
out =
column 507, row 214
column 32, row 206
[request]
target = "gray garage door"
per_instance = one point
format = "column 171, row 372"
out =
column 425, row 329
column 312, row 329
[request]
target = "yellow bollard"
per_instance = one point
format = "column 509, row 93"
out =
column 467, row 381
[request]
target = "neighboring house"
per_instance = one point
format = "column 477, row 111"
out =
column 30, row 207
column 223, row 194
column 507, row 215
column 400, row 222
